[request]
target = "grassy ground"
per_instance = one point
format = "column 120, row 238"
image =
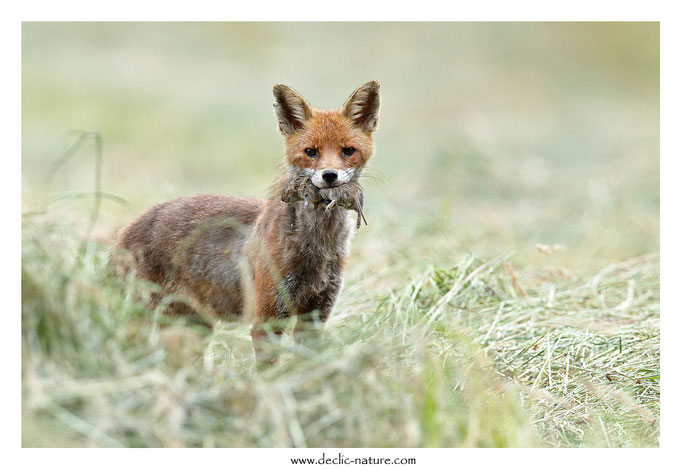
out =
column 454, row 328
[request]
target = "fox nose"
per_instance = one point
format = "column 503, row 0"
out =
column 330, row 175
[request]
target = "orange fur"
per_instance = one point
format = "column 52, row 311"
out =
column 266, row 259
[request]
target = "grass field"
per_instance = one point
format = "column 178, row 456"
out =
column 505, row 291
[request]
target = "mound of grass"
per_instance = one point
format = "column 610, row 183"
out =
column 470, row 355
column 585, row 353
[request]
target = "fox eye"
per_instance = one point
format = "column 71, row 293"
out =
column 348, row 151
column 312, row 153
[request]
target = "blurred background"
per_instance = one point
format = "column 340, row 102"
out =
column 493, row 137
column 498, row 143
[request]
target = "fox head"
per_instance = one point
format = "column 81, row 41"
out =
column 330, row 146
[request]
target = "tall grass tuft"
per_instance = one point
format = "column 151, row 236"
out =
column 469, row 355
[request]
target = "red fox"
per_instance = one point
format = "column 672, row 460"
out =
column 266, row 259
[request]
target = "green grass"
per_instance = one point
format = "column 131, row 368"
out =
column 466, row 355
column 453, row 329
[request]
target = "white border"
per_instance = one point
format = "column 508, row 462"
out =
column 356, row 10
column 348, row 10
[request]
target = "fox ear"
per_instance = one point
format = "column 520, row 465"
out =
column 291, row 109
column 363, row 106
